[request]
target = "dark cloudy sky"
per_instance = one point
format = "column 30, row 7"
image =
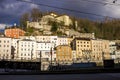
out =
column 11, row 10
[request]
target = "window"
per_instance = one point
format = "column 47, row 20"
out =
column 55, row 38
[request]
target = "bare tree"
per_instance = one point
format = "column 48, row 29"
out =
column 23, row 20
column 36, row 14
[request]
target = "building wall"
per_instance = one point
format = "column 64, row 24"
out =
column 27, row 50
column 66, row 19
column 51, row 39
column 74, row 55
column 97, row 50
column 44, row 49
column 83, row 49
column 28, row 37
column 5, row 48
column 54, row 40
column 113, row 48
column 106, row 49
column 14, row 48
column 117, row 56
column 43, row 38
column 14, row 33
column 36, row 25
column 46, row 55
column 64, row 54
column 62, row 41
column 69, row 40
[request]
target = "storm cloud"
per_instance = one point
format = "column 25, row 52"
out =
column 11, row 10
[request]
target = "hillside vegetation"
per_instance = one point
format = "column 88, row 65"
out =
column 107, row 29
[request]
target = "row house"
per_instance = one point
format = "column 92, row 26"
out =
column 92, row 50
column 97, row 50
column 117, row 56
column 27, row 37
column 64, row 54
column 5, row 48
column 83, row 49
column 113, row 48
column 27, row 50
column 51, row 39
column 53, row 48
column 14, row 48
column 106, row 49
column 55, row 40
column 45, row 51
column 62, row 41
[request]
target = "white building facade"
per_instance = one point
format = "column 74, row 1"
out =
column 62, row 41
column 5, row 48
column 117, row 56
column 14, row 48
column 97, row 50
column 45, row 51
column 27, row 50
column 113, row 48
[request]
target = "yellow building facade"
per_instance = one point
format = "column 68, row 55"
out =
column 69, row 40
column 83, row 49
column 63, row 54
column 97, row 50
column 106, row 49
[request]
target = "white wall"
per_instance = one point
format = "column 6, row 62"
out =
column 27, row 50
column 45, row 50
column 62, row 41
column 5, row 48
column 15, row 47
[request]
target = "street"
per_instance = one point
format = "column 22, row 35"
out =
column 98, row 76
